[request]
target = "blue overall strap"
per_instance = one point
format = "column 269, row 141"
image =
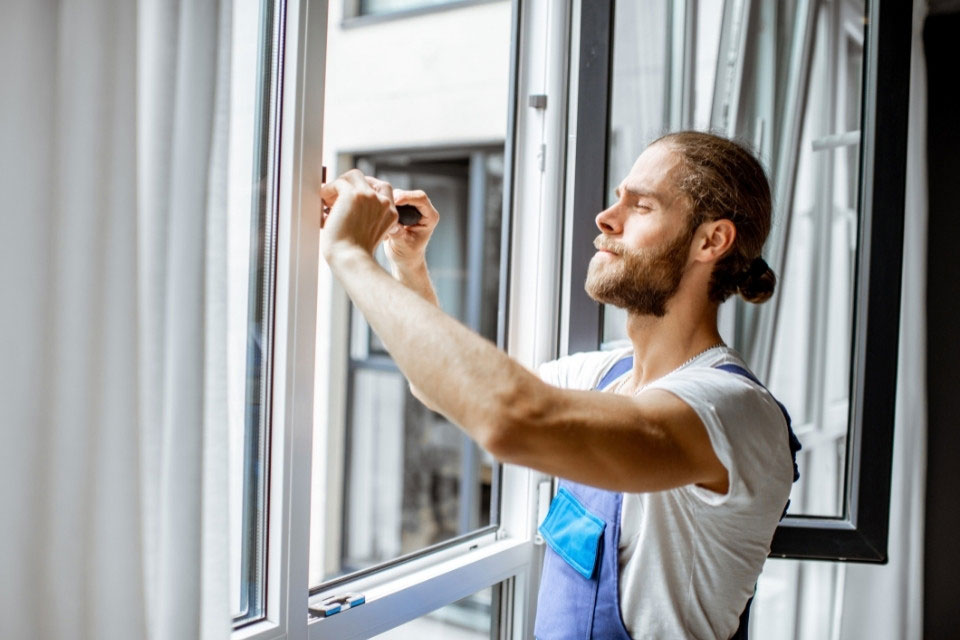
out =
column 579, row 595
column 795, row 445
column 619, row 368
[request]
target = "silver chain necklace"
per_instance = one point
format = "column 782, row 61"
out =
column 624, row 379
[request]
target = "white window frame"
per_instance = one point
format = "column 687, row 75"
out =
column 404, row 592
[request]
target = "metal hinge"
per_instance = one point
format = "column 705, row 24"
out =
column 538, row 101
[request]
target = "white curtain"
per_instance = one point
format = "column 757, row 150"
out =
column 113, row 460
column 887, row 601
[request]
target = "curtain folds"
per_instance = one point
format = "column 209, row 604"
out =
column 113, row 171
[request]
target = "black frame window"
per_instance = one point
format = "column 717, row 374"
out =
column 860, row 532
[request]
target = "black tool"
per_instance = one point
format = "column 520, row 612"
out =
column 409, row 215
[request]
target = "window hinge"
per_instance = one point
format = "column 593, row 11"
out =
column 542, row 158
column 537, row 100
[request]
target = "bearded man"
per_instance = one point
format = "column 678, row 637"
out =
column 676, row 463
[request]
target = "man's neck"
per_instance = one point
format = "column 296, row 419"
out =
column 660, row 345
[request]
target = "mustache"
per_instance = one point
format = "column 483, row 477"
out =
column 604, row 243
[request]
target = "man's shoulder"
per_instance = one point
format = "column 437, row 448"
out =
column 581, row 370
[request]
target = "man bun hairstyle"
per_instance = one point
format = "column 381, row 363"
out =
column 723, row 179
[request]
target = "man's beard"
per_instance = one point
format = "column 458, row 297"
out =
column 640, row 281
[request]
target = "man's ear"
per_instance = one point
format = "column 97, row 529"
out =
column 715, row 239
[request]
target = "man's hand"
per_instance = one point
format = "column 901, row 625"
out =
column 359, row 216
column 406, row 246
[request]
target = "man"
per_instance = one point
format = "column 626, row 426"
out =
column 676, row 475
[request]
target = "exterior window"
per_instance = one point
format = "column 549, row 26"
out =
column 251, row 248
column 395, row 483
column 412, row 479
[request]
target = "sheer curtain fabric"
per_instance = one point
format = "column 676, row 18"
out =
column 112, row 170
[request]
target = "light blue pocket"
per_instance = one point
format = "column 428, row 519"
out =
column 573, row 532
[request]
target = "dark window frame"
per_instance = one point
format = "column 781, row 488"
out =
column 861, row 533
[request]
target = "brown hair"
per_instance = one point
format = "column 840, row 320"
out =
column 725, row 180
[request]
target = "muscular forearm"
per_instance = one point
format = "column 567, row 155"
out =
column 460, row 374
column 417, row 278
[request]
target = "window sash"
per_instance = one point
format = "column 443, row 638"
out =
column 400, row 593
column 296, row 170
column 861, row 533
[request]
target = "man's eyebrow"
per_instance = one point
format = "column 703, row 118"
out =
column 641, row 193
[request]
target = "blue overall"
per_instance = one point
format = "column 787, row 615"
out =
column 580, row 585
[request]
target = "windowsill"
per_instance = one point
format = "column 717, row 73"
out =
column 359, row 21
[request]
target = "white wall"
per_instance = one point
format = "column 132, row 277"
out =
column 426, row 80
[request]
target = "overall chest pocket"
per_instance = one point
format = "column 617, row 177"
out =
column 574, row 533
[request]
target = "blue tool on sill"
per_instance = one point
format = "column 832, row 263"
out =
column 335, row 604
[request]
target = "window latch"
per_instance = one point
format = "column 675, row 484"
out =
column 337, row 603
column 538, row 100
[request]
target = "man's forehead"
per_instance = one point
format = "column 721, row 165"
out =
column 652, row 174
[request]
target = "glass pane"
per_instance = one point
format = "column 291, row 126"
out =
column 392, row 478
column 469, row 619
column 746, row 82
column 413, row 479
column 250, row 249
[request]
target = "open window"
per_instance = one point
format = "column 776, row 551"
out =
column 819, row 89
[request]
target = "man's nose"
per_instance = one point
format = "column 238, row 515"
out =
column 609, row 222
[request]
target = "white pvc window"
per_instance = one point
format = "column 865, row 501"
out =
column 485, row 582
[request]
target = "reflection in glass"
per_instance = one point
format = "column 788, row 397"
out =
column 468, row 619
column 784, row 78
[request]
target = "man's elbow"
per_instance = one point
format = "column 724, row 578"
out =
column 499, row 438
column 510, row 428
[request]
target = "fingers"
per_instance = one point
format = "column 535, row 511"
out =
column 421, row 201
column 354, row 183
column 378, row 185
column 383, row 188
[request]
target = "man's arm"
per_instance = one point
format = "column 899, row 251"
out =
column 652, row 442
column 406, row 249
